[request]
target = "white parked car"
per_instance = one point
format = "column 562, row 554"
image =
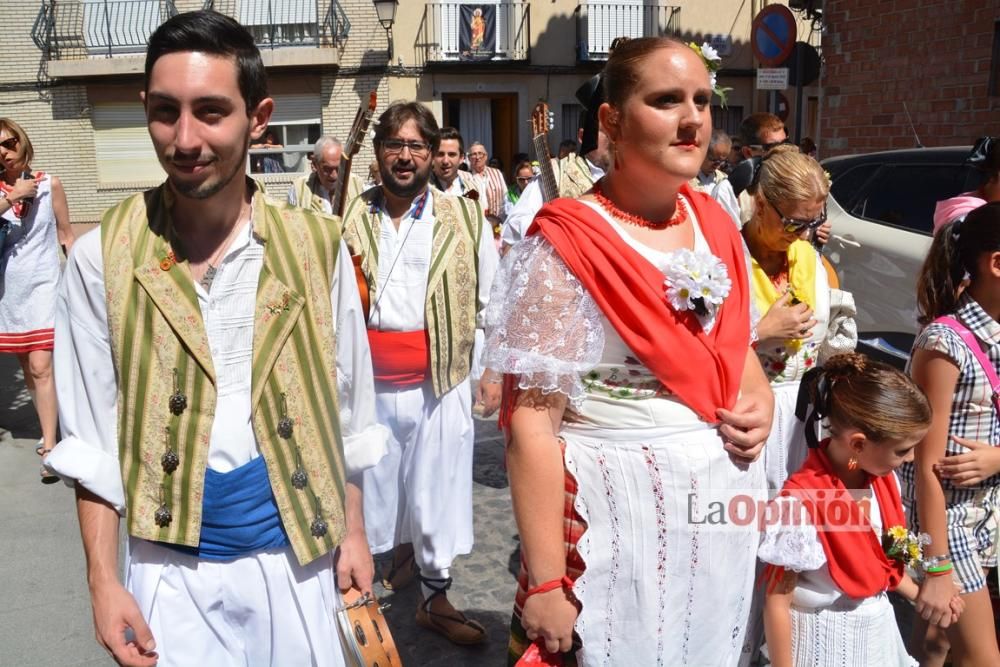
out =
column 881, row 207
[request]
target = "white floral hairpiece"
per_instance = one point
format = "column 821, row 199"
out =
column 713, row 63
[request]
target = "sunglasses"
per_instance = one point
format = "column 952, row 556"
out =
column 9, row 144
column 766, row 147
column 795, row 225
column 522, row 179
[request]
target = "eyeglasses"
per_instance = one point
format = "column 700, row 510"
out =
column 417, row 148
column 477, row 154
column 795, row 225
column 9, row 143
column 522, row 179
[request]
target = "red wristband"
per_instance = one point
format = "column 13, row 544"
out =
column 563, row 582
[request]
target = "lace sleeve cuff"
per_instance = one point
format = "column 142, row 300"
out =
column 790, row 541
column 541, row 323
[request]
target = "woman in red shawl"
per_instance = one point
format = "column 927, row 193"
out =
column 622, row 326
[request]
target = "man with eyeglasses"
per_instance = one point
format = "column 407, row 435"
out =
column 427, row 260
column 448, row 178
column 489, row 182
column 316, row 190
column 713, row 181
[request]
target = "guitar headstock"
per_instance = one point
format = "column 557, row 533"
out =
column 541, row 119
column 356, row 137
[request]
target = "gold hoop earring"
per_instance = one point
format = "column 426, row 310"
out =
column 852, row 463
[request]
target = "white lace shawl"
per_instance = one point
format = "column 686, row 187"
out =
column 793, row 547
column 541, row 323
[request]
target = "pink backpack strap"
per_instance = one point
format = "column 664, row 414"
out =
column 977, row 350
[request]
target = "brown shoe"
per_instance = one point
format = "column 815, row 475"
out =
column 437, row 614
column 403, row 569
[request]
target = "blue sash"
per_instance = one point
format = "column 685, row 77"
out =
column 239, row 514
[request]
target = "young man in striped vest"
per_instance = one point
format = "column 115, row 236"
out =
column 427, row 261
column 217, row 387
column 316, row 190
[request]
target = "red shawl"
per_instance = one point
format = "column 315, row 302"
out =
column 855, row 558
column 702, row 370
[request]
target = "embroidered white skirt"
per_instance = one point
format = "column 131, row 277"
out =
column 865, row 636
column 665, row 583
column 786, row 447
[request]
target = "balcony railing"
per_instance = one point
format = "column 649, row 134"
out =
column 79, row 29
column 455, row 31
column 599, row 23
column 281, row 23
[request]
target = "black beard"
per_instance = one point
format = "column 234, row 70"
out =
column 420, row 180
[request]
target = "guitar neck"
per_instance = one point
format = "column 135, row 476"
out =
column 339, row 197
column 547, row 177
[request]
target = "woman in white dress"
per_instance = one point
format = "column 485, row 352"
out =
column 35, row 217
column 633, row 399
column 825, row 540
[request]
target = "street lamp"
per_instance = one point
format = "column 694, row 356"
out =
column 386, row 10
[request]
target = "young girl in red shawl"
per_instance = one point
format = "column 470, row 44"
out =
column 836, row 538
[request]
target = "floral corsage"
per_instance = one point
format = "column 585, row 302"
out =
column 699, row 282
column 902, row 545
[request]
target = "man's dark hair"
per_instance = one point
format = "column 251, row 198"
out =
column 450, row 133
column 216, row 34
column 569, row 144
column 396, row 116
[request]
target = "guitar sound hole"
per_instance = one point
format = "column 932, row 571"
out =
column 360, row 634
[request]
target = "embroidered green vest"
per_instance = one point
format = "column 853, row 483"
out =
column 307, row 187
column 574, row 176
column 160, row 348
column 453, row 282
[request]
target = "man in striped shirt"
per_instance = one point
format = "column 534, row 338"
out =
column 489, row 182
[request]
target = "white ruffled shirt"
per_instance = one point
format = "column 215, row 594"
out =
column 797, row 547
column 86, row 383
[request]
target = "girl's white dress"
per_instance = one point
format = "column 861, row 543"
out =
column 830, row 629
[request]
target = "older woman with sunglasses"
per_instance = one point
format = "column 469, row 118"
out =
column 34, row 219
column 791, row 287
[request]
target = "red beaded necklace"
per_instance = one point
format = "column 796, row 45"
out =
column 679, row 216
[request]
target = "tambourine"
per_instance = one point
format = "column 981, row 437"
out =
column 364, row 633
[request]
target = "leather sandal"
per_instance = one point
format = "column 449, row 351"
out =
column 402, row 572
column 456, row 627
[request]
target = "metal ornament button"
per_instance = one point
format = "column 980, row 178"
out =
column 285, row 428
column 318, row 527
column 178, row 401
column 163, row 517
column 299, row 478
column 170, row 461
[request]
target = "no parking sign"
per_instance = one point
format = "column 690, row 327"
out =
column 773, row 34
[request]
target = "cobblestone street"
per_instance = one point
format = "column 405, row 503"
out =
column 46, row 620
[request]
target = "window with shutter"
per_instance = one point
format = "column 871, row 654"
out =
column 297, row 125
column 123, row 148
column 284, row 22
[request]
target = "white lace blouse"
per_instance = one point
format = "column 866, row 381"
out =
column 544, row 326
